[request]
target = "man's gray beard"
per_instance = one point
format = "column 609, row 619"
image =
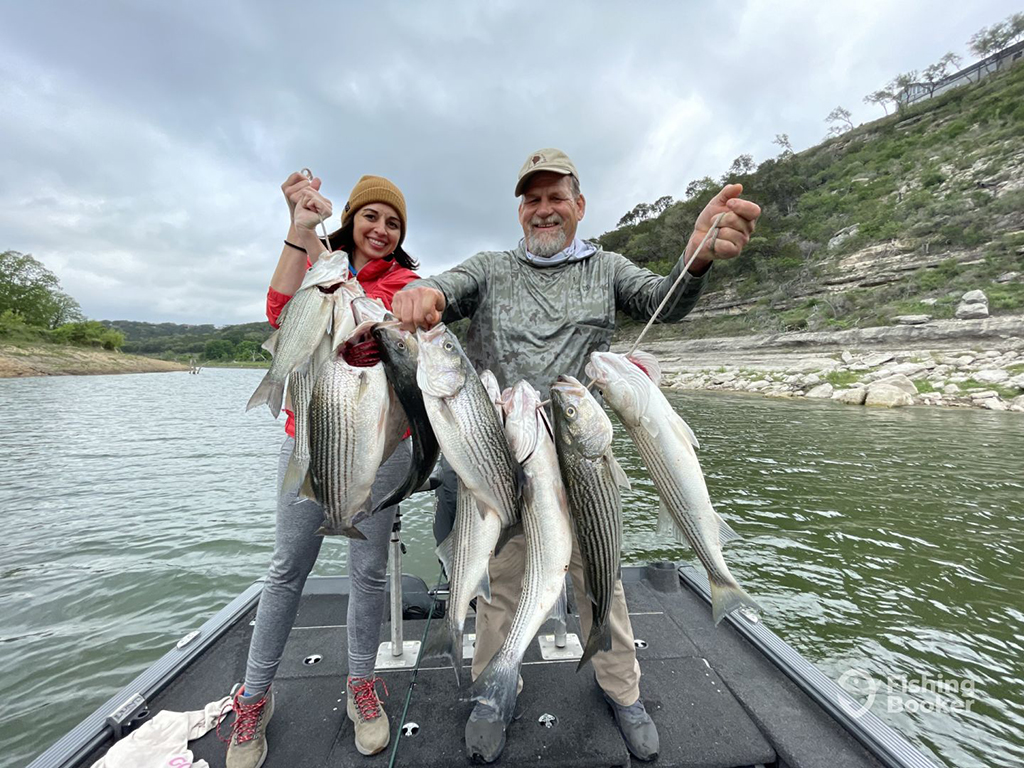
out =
column 546, row 246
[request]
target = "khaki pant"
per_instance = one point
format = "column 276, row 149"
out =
column 617, row 670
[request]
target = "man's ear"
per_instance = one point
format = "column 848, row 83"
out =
column 581, row 206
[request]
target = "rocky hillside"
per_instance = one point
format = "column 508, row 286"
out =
column 892, row 222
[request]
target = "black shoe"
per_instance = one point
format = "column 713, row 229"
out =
column 485, row 734
column 637, row 729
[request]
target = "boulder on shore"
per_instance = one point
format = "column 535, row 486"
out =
column 853, row 396
column 899, row 381
column 973, row 306
column 823, row 391
column 911, row 319
column 886, row 396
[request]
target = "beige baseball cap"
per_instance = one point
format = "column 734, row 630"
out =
column 550, row 159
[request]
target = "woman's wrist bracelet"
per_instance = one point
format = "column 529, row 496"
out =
column 293, row 245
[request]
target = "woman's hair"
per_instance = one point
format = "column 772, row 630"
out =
column 344, row 240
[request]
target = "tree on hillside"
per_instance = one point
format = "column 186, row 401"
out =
column 699, row 187
column 899, row 84
column 644, row 211
column 840, row 120
column 30, row 290
column 935, row 73
column 741, row 166
column 989, row 40
column 782, row 141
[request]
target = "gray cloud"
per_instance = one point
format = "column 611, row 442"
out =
column 144, row 144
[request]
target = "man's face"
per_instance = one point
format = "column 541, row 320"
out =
column 549, row 214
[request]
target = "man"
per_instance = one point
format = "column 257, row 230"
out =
column 537, row 311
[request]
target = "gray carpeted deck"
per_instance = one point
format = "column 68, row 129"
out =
column 717, row 701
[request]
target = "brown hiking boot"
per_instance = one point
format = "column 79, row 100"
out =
column 373, row 731
column 247, row 739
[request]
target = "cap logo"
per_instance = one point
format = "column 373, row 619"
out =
column 536, row 159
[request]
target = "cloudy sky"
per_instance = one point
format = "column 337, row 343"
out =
column 143, row 144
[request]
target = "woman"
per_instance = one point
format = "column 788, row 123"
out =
column 373, row 228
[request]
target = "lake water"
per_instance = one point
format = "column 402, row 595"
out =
column 890, row 542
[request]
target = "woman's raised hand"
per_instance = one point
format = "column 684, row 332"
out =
column 306, row 205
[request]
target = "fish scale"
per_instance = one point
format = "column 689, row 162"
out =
column 548, row 533
column 583, row 434
column 347, row 431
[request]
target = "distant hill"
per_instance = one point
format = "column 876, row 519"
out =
column 172, row 341
column 898, row 216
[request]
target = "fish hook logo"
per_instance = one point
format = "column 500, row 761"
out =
column 860, row 685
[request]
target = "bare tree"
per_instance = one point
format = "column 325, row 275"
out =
column 782, row 140
column 989, row 40
column 881, row 96
column 898, row 87
column 934, row 74
column 840, row 120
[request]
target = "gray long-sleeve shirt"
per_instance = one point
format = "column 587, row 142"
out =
column 534, row 322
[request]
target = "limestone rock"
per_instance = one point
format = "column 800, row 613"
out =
column 887, row 396
column 993, row 404
column 851, row 396
column 1008, row 277
column 911, row 319
column 983, row 394
column 842, row 236
column 823, row 391
column 971, row 311
column 949, row 389
column 972, row 297
column 756, row 386
column 899, row 381
column 1017, row 404
column 929, row 302
column 1017, row 382
column 991, row 376
column 908, row 369
column 877, row 359
column 847, row 357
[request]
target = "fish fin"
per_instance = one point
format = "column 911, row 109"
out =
column 445, row 644
column 684, row 431
column 352, row 533
column 648, row 363
column 559, row 611
column 445, row 553
column 294, row 475
column 650, row 426
column 617, row 474
column 306, row 489
column 270, row 392
column 600, row 639
column 271, row 343
column 483, row 589
column 667, row 525
column 726, row 598
column 506, row 535
column 725, row 531
column 497, row 684
column 364, row 385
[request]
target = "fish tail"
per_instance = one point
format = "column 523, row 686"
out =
column 728, row 597
column 446, row 645
column 294, row 475
column 600, row 640
column 270, row 392
column 327, row 529
column 497, row 685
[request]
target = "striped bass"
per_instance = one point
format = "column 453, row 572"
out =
column 592, row 477
column 666, row 444
column 303, row 322
column 466, row 425
column 548, row 533
column 348, row 428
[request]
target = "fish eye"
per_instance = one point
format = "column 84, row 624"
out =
column 448, row 346
column 401, row 345
column 570, row 411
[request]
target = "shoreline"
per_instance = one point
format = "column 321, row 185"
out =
column 18, row 362
column 955, row 364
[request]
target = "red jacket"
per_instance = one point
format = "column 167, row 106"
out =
column 381, row 279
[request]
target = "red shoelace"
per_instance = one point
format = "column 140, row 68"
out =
column 366, row 700
column 247, row 718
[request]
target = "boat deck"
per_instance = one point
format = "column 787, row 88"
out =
column 718, row 701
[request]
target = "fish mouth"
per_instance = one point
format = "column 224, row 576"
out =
column 430, row 336
column 568, row 385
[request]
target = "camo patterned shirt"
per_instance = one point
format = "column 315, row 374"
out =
column 532, row 322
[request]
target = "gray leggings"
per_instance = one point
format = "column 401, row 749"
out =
column 295, row 551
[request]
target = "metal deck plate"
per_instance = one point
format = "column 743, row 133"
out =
column 551, row 652
column 387, row 660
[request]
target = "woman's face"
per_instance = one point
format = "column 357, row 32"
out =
column 376, row 230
